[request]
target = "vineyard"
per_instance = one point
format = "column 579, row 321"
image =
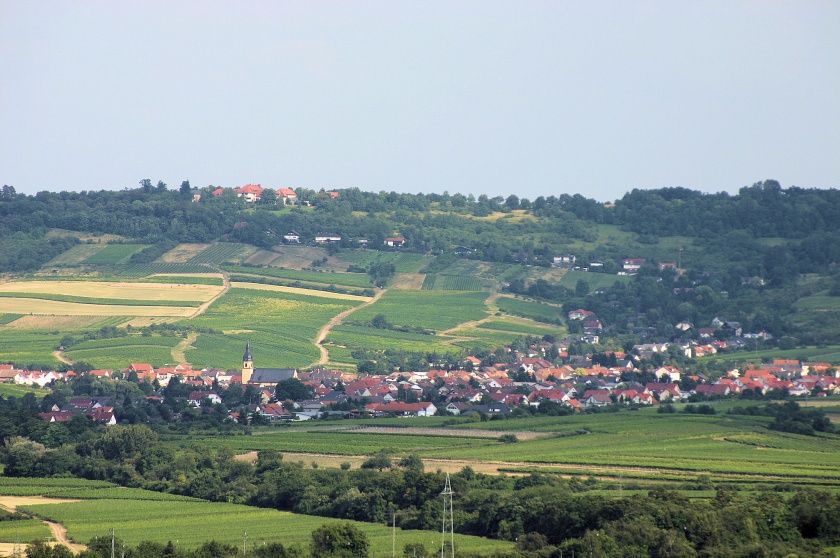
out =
column 323, row 277
column 138, row 515
column 643, row 445
column 112, row 254
column 435, row 281
column 222, row 252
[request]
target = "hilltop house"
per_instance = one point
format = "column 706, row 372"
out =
column 250, row 192
column 287, row 196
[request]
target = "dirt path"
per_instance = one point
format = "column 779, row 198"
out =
column 491, row 308
column 336, row 320
column 179, row 351
column 61, row 357
column 59, row 533
column 225, row 288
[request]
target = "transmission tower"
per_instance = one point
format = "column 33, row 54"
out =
column 448, row 521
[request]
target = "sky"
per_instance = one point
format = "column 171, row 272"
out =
column 525, row 97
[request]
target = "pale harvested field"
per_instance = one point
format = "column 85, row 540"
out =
column 11, row 503
column 262, row 257
column 298, row 290
column 301, row 257
column 821, row 403
column 355, row 461
column 57, row 308
column 103, row 289
column 54, row 322
column 183, row 253
column 75, row 255
column 408, row 281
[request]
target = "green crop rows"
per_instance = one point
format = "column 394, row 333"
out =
column 280, row 326
column 530, row 309
column 220, row 253
column 118, row 353
column 434, row 310
column 114, row 254
column 138, row 515
column 325, row 277
column 436, row 281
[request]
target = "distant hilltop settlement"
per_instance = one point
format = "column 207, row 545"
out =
column 527, row 383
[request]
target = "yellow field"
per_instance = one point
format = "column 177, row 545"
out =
column 297, row 290
column 103, row 289
column 183, row 253
column 55, row 322
column 56, row 308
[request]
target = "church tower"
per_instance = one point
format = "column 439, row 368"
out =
column 247, row 364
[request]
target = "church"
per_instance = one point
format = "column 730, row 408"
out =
column 263, row 377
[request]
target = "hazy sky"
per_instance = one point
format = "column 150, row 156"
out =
column 473, row 96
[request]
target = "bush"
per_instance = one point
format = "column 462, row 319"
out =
column 508, row 438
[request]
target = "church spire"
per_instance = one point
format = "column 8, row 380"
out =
column 247, row 355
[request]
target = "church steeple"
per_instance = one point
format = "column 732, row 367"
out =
column 247, row 364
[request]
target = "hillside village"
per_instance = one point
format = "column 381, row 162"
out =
column 529, row 383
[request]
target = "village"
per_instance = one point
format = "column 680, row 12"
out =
column 529, row 383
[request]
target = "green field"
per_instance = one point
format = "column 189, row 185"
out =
column 634, row 444
column 436, row 281
column 119, row 352
column 325, row 277
column 113, row 254
column 594, row 280
column 222, row 252
column 14, row 390
column 280, row 326
column 22, row 531
column 138, row 515
column 530, row 309
column 434, row 310
column 8, row 318
column 28, row 347
column 403, row 262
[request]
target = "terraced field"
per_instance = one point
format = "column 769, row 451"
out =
column 222, row 252
column 137, row 515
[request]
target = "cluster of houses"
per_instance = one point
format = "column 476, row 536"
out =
column 529, row 382
column 253, row 193
column 97, row 409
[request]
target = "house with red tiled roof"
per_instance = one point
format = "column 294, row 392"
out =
column 250, row 192
column 287, row 196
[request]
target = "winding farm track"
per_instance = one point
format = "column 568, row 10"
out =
column 61, row 357
column 491, row 307
column 179, row 351
column 59, row 533
column 335, row 321
column 225, row 288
